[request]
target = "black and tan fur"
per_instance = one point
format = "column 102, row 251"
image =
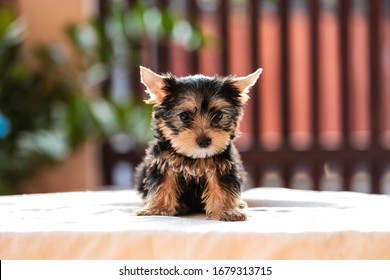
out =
column 192, row 164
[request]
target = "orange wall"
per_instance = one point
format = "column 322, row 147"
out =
column 45, row 21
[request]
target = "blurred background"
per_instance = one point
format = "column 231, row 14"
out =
column 71, row 109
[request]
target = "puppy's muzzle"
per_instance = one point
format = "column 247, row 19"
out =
column 203, row 141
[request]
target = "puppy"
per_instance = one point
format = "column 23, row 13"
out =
column 192, row 165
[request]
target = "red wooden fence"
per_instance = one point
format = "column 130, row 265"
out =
column 321, row 107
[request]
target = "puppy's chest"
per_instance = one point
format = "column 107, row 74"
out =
column 192, row 170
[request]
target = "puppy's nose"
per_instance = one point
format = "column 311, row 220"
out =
column 203, row 141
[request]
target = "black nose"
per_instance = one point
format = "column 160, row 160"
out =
column 203, row 141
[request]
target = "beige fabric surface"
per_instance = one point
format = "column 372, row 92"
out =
column 282, row 224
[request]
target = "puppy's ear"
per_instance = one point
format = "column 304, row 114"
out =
column 244, row 84
column 154, row 85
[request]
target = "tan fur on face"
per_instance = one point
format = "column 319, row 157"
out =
column 185, row 142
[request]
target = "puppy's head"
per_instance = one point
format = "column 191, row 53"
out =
column 199, row 115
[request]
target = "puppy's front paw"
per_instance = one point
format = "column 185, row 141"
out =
column 229, row 215
column 154, row 212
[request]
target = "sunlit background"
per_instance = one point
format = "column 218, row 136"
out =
column 71, row 110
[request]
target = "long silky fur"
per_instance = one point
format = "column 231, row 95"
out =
column 176, row 177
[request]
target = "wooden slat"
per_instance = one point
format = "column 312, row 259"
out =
column 135, row 85
column 286, row 173
column 314, row 12
column 163, row 46
column 193, row 17
column 375, row 77
column 107, row 163
column 103, row 9
column 107, row 156
column 224, row 29
column 254, row 14
column 346, row 174
column 255, row 61
column 374, row 12
column 284, row 10
column 376, row 176
column 344, row 13
column 316, row 172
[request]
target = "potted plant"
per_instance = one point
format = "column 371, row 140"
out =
column 50, row 105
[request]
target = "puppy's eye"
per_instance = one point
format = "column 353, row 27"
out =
column 185, row 116
column 218, row 116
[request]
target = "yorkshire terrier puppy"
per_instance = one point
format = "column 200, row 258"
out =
column 192, row 164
